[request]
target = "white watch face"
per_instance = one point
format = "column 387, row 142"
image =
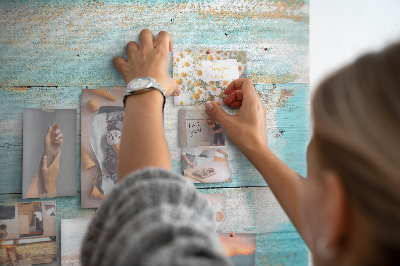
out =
column 140, row 83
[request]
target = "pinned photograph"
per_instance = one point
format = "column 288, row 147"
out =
column 28, row 233
column 208, row 165
column 72, row 234
column 218, row 201
column 240, row 248
column 198, row 129
column 204, row 74
column 102, row 114
column 49, row 153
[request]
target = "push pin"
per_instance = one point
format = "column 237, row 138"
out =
column 232, row 234
column 209, row 51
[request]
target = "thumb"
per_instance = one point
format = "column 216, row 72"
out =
column 48, row 131
column 217, row 113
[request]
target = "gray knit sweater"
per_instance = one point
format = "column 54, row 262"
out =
column 154, row 217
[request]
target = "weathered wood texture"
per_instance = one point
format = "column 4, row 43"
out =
column 72, row 43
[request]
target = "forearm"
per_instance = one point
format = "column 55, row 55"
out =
column 36, row 187
column 143, row 141
column 185, row 158
column 282, row 180
column 50, row 189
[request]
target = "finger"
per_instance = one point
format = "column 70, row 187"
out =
column 146, row 40
column 177, row 92
column 164, row 41
column 44, row 163
column 235, row 96
column 132, row 48
column 55, row 127
column 58, row 131
column 236, row 105
column 245, row 85
column 119, row 63
column 217, row 113
column 59, row 137
column 48, row 131
column 60, row 142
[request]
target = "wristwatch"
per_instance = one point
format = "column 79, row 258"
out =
column 142, row 85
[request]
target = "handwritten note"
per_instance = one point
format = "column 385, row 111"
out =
column 194, row 128
column 219, row 70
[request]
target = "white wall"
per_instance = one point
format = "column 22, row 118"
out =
column 341, row 30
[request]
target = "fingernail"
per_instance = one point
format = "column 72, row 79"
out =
column 179, row 90
column 44, row 157
column 209, row 106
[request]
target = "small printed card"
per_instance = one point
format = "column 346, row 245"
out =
column 30, row 233
column 49, row 153
column 206, row 165
column 198, row 129
column 218, row 201
column 203, row 75
column 73, row 232
column 240, row 248
column 102, row 114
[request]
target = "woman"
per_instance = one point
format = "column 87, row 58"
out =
column 11, row 250
column 346, row 210
column 217, row 129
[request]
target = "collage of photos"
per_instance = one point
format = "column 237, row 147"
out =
column 202, row 141
column 102, row 114
column 72, row 234
column 49, row 153
column 28, row 233
column 204, row 74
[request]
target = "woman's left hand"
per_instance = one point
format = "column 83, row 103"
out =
column 150, row 59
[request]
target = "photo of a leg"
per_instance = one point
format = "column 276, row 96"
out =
column 44, row 182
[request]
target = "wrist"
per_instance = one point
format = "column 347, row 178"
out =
column 150, row 99
column 50, row 188
column 143, row 85
column 257, row 148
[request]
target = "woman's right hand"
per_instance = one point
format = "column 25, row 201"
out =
column 247, row 129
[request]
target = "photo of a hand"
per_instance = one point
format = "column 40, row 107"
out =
column 53, row 143
column 44, row 182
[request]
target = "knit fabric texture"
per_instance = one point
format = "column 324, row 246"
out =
column 153, row 217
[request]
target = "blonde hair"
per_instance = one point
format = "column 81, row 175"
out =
column 356, row 114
